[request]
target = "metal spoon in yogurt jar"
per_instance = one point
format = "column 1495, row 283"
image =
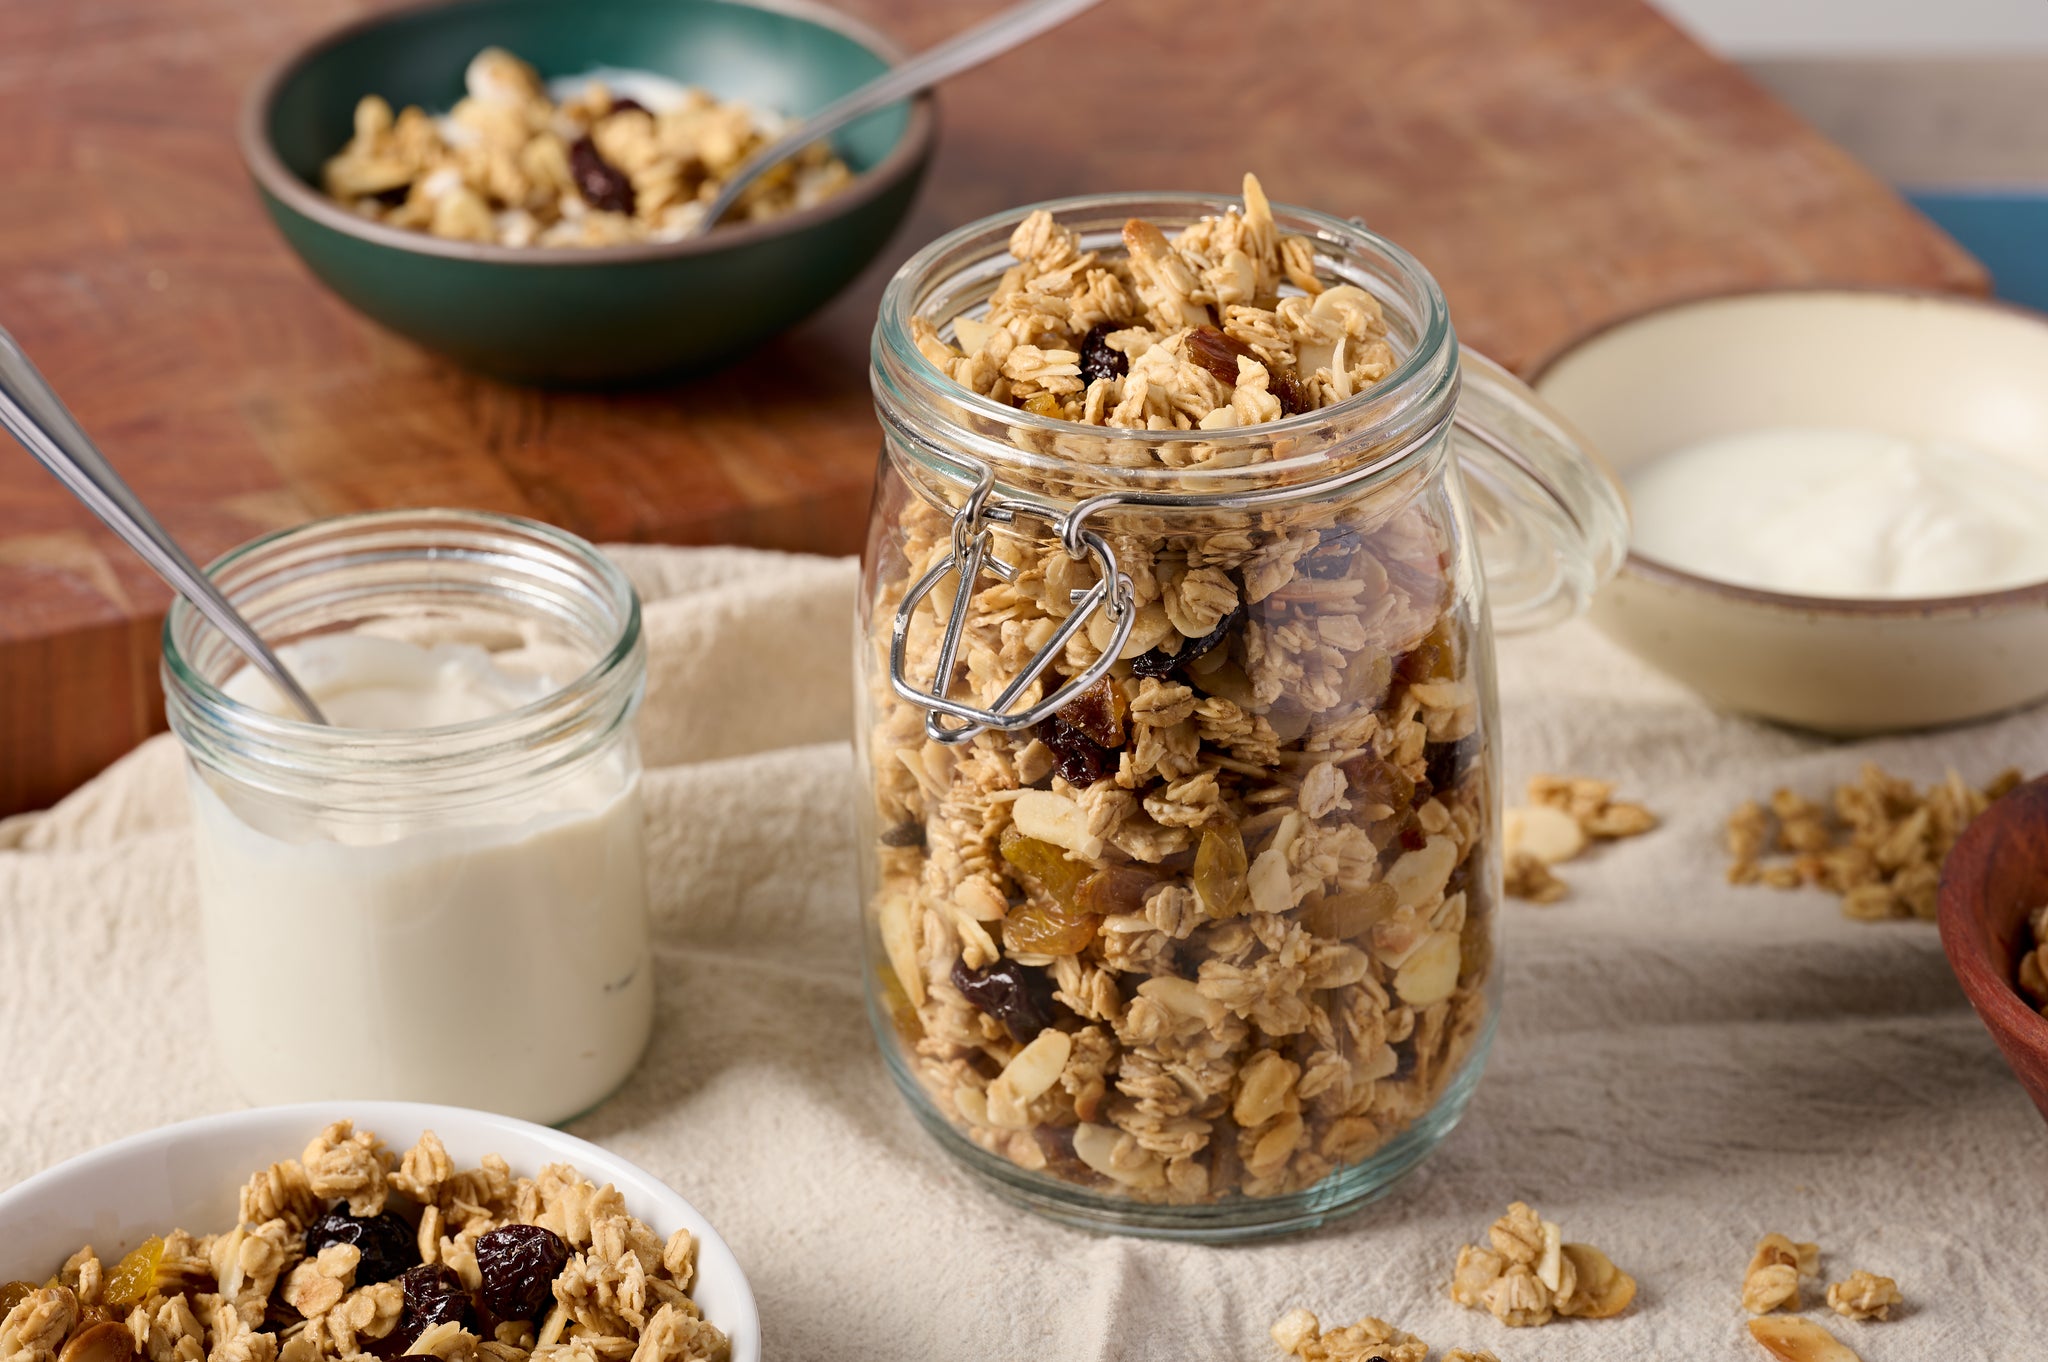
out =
column 1013, row 27
column 32, row 411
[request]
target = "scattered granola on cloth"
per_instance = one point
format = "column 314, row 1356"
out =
column 1881, row 850
column 1301, row 1335
column 1799, row 1340
column 2033, row 966
column 1864, row 1295
column 349, row 1250
column 1564, row 815
column 1223, row 926
column 1776, row 1268
column 509, row 166
column 1530, row 1275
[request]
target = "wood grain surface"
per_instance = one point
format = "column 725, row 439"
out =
column 1557, row 163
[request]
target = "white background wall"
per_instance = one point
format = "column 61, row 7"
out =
column 1786, row 28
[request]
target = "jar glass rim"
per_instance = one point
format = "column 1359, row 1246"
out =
column 461, row 741
column 896, row 351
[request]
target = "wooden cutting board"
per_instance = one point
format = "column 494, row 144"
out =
column 1557, row 163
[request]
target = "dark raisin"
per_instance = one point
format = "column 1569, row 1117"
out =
column 1293, row 394
column 394, row 196
column 1449, row 761
column 387, row 1243
column 433, row 1295
column 1018, row 996
column 1218, row 352
column 1327, row 563
column 1081, row 761
column 1098, row 712
column 1190, row 651
column 519, row 1264
column 1157, row 664
column 1413, row 838
column 904, row 835
column 621, row 105
column 597, row 180
column 1098, row 360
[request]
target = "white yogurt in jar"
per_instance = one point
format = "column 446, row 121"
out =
column 1819, row 511
column 497, row 957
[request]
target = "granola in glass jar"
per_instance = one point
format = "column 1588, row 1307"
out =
column 1219, row 925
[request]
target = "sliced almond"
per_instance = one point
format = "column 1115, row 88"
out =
column 104, row 1342
column 899, row 939
column 1550, row 1263
column 972, row 334
column 1431, row 973
column 1550, row 835
column 1603, row 1290
column 1419, row 876
column 1799, row 1340
column 1052, row 817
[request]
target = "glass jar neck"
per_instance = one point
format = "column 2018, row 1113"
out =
column 470, row 576
column 931, row 417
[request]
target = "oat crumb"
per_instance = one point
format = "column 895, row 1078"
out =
column 1864, row 1295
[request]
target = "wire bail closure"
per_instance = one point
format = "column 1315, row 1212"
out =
column 974, row 526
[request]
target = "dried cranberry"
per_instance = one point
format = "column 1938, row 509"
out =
column 600, row 183
column 519, row 1264
column 1218, row 352
column 1098, row 360
column 394, row 196
column 1018, row 996
column 387, row 1243
column 433, row 1295
column 621, row 104
column 1081, row 761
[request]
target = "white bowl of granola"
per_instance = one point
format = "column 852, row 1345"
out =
column 526, row 1233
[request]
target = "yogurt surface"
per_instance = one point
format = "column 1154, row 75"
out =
column 1820, row 511
column 493, row 956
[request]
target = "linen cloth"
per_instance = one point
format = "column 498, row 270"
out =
column 1682, row 1065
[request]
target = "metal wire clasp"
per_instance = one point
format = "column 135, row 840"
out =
column 973, row 532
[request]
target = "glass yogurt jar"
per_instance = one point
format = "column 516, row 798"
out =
column 1181, row 855
column 441, row 896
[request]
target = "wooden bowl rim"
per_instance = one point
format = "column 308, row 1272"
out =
column 1996, row 998
column 2014, row 598
column 277, row 180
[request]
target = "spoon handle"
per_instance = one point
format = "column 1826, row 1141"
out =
column 32, row 411
column 985, row 41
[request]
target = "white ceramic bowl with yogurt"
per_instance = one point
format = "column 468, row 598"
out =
column 1840, row 501
column 187, row 1176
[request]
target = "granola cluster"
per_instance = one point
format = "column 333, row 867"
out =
column 1564, row 815
column 1881, row 852
column 348, row 1253
column 1530, row 1275
column 1779, row 1267
column 1300, row 1334
column 1190, row 332
column 1223, row 926
column 2033, row 966
column 508, row 165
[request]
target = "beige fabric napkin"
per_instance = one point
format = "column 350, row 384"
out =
column 1682, row 1065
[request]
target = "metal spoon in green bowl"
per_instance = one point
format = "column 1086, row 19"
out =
column 1013, row 27
column 36, row 416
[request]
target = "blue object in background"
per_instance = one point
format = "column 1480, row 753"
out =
column 2007, row 229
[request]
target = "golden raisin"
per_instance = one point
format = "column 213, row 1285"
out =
column 1220, row 865
column 134, row 1277
column 1046, row 864
column 1037, row 930
column 1347, row 916
column 13, row 1294
column 1376, row 784
column 1120, row 890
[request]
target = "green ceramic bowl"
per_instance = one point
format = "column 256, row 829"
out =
column 609, row 314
